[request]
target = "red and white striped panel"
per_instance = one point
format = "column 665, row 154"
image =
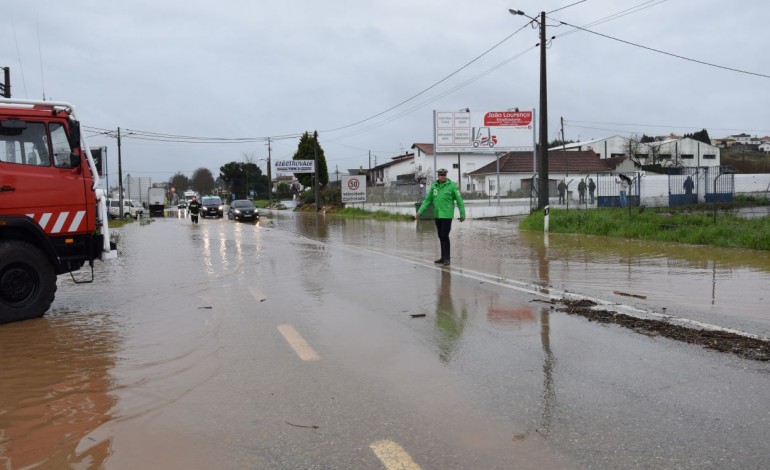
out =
column 60, row 222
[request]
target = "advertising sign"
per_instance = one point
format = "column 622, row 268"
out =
column 296, row 166
column 354, row 188
column 487, row 131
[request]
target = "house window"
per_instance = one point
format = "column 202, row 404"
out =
column 455, row 166
column 687, row 156
column 641, row 155
column 665, row 156
column 709, row 156
column 614, row 155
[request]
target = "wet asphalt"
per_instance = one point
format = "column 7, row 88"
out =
column 310, row 341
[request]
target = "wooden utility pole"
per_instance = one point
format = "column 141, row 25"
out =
column 542, row 200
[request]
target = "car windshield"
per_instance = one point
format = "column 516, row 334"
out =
column 211, row 200
column 242, row 204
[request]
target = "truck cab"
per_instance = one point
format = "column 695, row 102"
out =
column 53, row 219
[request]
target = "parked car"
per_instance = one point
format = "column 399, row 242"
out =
column 131, row 208
column 242, row 209
column 211, row 206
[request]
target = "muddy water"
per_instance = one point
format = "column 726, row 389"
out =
column 724, row 287
column 165, row 360
column 56, row 386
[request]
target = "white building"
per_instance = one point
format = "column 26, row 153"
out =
column 685, row 152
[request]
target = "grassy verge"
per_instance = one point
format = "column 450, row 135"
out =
column 663, row 224
column 355, row 213
column 116, row 223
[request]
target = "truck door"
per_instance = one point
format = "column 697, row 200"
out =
column 40, row 179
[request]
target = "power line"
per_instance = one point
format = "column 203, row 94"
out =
column 570, row 5
column 430, row 87
column 668, row 53
column 572, row 124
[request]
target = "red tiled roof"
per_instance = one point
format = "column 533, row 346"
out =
column 424, row 148
column 583, row 161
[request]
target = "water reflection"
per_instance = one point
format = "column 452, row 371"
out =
column 449, row 322
column 55, row 388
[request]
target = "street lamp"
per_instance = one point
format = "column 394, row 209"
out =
column 542, row 201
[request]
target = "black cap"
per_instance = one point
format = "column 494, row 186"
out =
column 442, row 171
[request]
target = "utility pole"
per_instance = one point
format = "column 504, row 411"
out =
column 315, row 168
column 564, row 148
column 543, row 193
column 120, row 179
column 269, row 175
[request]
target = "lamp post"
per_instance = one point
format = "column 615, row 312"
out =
column 542, row 200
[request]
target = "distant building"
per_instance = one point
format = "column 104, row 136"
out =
column 675, row 152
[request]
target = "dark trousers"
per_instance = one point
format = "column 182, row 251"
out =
column 443, row 227
column 194, row 218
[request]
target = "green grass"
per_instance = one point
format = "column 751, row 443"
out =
column 355, row 213
column 116, row 223
column 664, row 224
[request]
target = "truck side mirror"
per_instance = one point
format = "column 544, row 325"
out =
column 74, row 160
column 74, row 135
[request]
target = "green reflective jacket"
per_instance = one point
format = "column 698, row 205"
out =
column 443, row 197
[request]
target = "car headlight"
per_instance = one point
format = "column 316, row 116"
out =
column 237, row 211
column 221, row 207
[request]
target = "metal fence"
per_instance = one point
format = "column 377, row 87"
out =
column 709, row 186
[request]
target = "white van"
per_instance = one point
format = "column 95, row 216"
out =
column 131, row 208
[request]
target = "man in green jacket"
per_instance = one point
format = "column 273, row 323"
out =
column 443, row 194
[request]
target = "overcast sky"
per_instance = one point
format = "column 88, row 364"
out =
column 274, row 68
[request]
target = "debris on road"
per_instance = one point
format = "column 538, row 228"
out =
column 757, row 349
column 636, row 296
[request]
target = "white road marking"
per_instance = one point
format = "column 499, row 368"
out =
column 298, row 343
column 393, row 456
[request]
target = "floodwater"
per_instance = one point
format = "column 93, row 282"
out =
column 307, row 341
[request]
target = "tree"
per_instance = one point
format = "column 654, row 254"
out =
column 180, row 182
column 634, row 149
column 203, row 181
column 242, row 177
column 646, row 139
column 559, row 143
column 701, row 136
column 306, row 151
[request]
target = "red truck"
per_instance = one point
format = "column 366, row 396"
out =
column 53, row 218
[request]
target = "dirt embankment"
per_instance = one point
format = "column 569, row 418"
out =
column 746, row 347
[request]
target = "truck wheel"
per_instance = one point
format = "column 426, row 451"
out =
column 27, row 281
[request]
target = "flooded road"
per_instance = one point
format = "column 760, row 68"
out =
column 315, row 342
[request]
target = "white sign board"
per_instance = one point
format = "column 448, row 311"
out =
column 296, row 166
column 487, row 131
column 354, row 188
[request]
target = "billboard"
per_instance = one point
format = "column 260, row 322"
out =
column 479, row 132
column 296, row 166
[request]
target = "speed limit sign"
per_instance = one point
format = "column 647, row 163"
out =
column 354, row 188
